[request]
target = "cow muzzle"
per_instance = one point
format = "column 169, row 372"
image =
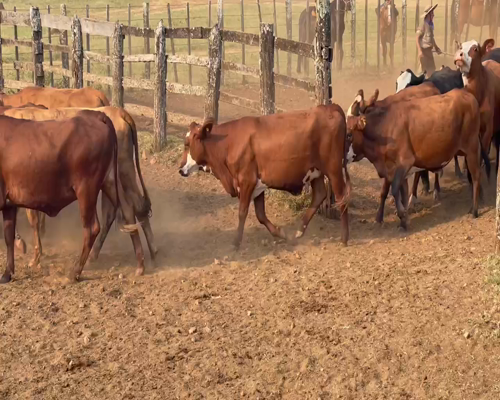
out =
column 189, row 167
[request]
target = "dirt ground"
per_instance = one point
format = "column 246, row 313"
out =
column 392, row 316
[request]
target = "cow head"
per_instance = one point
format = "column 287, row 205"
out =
column 408, row 78
column 194, row 157
column 355, row 128
column 464, row 56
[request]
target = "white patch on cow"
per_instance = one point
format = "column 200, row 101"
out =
column 311, row 175
column 350, row 155
column 466, row 58
column 190, row 166
column 403, row 81
column 258, row 190
column 357, row 99
column 465, row 80
column 188, row 133
column 413, row 170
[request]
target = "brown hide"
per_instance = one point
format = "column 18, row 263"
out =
column 280, row 150
column 408, row 134
column 45, row 166
column 54, row 98
column 133, row 203
column 483, row 81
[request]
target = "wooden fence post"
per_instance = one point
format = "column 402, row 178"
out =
column 353, row 32
column 16, row 50
column 378, row 36
column 288, row 6
column 129, row 39
column 145, row 17
column 220, row 22
column 323, row 53
column 266, row 56
column 468, row 21
column 108, row 67
column 63, row 41
column 243, row 55
column 189, row 43
column 214, row 74
column 160, row 96
column 1, row 68
column 36, row 27
column 339, row 45
column 259, row 12
column 117, row 89
column 77, row 54
column 87, row 41
column 49, row 33
column 485, row 6
column 445, row 26
column 276, row 34
column 404, row 33
column 417, row 23
column 172, row 41
column 366, row 33
column 308, row 38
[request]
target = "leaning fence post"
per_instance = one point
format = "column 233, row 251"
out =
column 393, row 36
column 220, row 22
column 145, row 17
column 77, row 54
column 468, row 21
column 214, row 73
column 353, row 32
column 323, row 53
column 36, row 27
column 117, row 89
column 288, row 6
column 276, row 34
column 485, row 6
column 16, row 50
column 188, row 22
column 160, row 96
column 403, row 30
column 49, row 34
column 266, row 43
column 378, row 36
column 108, row 67
column 63, row 41
column 243, row 60
column 366, row 34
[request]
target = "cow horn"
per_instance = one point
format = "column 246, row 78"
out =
column 361, row 93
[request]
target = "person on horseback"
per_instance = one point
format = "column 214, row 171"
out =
column 426, row 42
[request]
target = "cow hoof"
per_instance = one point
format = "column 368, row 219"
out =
column 475, row 214
column 413, row 201
column 139, row 271
column 34, row 264
column 436, row 195
column 92, row 257
column 6, row 278
column 20, row 245
column 299, row 234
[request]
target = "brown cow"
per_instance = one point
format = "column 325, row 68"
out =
column 405, row 135
column 54, row 98
column 279, row 151
column 46, row 166
column 482, row 79
column 133, row 203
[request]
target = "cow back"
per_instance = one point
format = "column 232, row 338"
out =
column 446, row 80
column 492, row 55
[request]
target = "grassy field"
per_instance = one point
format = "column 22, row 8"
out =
column 233, row 52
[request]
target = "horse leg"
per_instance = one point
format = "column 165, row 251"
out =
column 384, row 52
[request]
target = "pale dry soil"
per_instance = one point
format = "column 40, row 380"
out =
column 392, row 316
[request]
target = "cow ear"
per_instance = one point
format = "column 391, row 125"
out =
column 193, row 125
column 206, row 129
column 486, row 43
column 457, row 44
column 361, row 123
column 361, row 93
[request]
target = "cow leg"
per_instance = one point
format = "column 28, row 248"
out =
column 148, row 233
column 474, row 170
column 20, row 243
column 341, row 54
column 108, row 216
column 399, row 178
column 413, row 197
column 383, row 197
column 129, row 216
column 338, row 188
column 437, row 187
column 34, row 220
column 91, row 228
column 404, row 194
column 260, row 212
column 425, row 181
column 9, row 229
column 245, row 198
column 458, row 171
column 318, row 196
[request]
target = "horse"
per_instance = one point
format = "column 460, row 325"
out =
column 460, row 9
column 388, row 29
column 308, row 37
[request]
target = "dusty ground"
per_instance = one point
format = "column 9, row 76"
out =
column 391, row 316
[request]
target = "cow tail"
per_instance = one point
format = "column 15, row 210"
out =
column 146, row 206
column 486, row 160
column 344, row 201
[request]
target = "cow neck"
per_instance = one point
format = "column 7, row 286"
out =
column 216, row 148
column 477, row 81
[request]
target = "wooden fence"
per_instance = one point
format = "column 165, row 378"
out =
column 80, row 28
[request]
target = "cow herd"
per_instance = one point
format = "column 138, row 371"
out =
column 58, row 146
column 420, row 128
